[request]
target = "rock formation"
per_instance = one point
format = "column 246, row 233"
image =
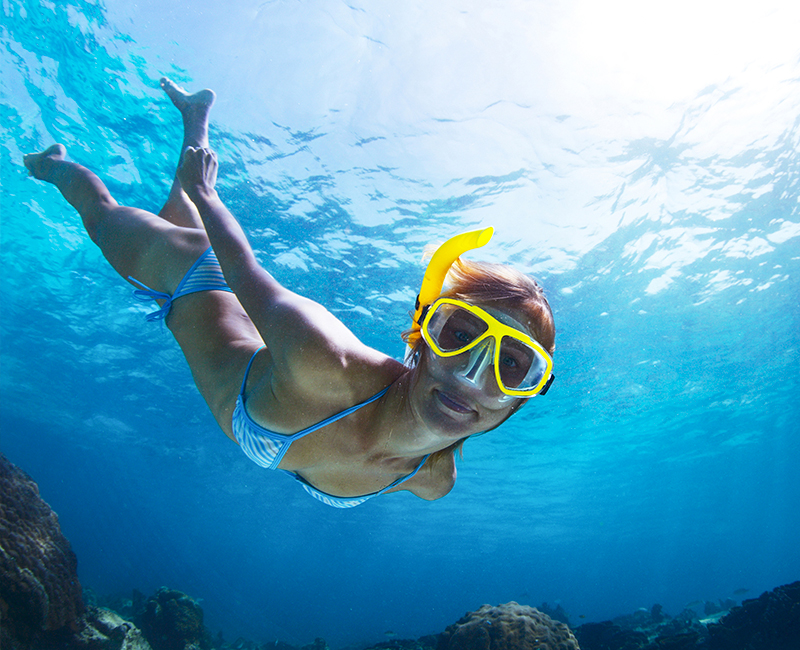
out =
column 39, row 589
column 173, row 621
column 769, row 622
column 507, row 627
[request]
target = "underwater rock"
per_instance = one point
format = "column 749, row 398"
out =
column 243, row 644
column 39, row 588
column 423, row 643
column 557, row 613
column 173, row 621
column 770, row 622
column 128, row 605
column 609, row 636
column 710, row 608
column 103, row 629
column 507, row 627
column 657, row 613
column 318, row 644
column 645, row 630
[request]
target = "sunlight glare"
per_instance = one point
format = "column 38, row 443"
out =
column 667, row 51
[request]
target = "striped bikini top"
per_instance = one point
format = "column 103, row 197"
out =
column 267, row 448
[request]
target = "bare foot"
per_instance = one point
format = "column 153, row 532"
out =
column 40, row 164
column 198, row 104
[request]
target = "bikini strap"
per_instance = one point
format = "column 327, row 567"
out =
column 146, row 294
column 403, row 479
column 339, row 415
column 247, row 371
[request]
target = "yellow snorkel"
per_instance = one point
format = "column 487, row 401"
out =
column 437, row 270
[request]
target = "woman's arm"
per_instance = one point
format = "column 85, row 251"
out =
column 301, row 334
column 198, row 176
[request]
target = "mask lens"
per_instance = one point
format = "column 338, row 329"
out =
column 520, row 366
column 453, row 328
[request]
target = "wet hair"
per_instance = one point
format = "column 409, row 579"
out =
column 496, row 285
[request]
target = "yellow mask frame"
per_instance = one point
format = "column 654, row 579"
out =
column 433, row 281
column 495, row 331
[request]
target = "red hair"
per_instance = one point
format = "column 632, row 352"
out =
column 485, row 282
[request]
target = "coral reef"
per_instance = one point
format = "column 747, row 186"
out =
column 39, row 589
column 103, row 629
column 507, row 627
column 609, row 636
column 769, row 622
column 557, row 613
column 173, row 621
column 42, row 607
column 423, row 643
column 41, row 604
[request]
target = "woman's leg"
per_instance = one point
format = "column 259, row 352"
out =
column 212, row 328
column 136, row 243
column 194, row 109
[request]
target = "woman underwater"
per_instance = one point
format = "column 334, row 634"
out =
column 288, row 381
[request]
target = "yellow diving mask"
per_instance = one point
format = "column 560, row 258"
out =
column 522, row 367
column 450, row 327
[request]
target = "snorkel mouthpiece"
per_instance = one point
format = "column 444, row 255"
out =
column 440, row 264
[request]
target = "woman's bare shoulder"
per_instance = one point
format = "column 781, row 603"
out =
column 313, row 350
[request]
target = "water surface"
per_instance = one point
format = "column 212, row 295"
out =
column 643, row 166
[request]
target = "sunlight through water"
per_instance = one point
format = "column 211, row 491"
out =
column 640, row 158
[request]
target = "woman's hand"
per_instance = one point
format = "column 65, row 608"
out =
column 198, row 171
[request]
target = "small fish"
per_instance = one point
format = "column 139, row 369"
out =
column 582, row 616
column 695, row 603
column 740, row 592
column 390, row 633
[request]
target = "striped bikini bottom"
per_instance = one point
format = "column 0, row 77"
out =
column 205, row 275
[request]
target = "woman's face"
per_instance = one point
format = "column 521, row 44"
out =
column 459, row 396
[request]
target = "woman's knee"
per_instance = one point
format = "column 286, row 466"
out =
column 96, row 215
column 126, row 236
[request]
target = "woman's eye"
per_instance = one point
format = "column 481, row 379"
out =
column 462, row 336
column 509, row 362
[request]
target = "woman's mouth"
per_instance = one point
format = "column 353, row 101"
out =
column 453, row 403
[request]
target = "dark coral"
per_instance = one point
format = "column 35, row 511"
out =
column 645, row 630
column 39, row 588
column 609, row 636
column 103, row 629
column 173, row 621
column 423, row 643
column 507, row 627
column 769, row 622
column 557, row 613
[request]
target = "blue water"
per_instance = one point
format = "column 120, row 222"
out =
column 644, row 166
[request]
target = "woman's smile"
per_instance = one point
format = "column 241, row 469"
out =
column 453, row 402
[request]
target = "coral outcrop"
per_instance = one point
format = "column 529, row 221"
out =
column 173, row 621
column 423, row 643
column 103, row 629
column 769, row 622
column 609, row 636
column 39, row 589
column 507, row 627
